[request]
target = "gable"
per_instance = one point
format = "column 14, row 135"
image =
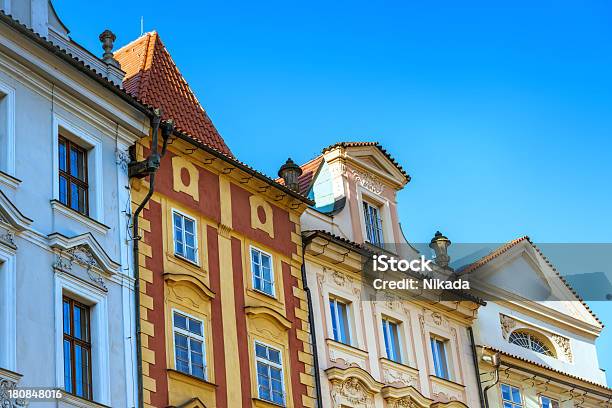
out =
column 519, row 270
column 373, row 160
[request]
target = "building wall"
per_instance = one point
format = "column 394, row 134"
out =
column 232, row 215
column 49, row 250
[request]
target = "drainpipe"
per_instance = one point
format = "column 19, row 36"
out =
column 496, row 361
column 315, row 354
column 147, row 167
column 477, row 371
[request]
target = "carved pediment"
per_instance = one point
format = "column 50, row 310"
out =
column 83, row 251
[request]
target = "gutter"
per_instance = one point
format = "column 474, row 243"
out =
column 154, row 161
column 315, row 354
column 476, row 369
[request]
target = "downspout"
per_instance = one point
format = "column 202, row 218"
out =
column 477, row 371
column 313, row 336
column 149, row 167
column 496, row 361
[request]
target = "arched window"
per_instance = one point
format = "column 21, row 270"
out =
column 529, row 341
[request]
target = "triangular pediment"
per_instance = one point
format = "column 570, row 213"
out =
column 372, row 160
column 86, row 248
column 523, row 273
column 10, row 214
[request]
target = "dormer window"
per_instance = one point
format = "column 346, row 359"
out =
column 529, row 341
column 373, row 224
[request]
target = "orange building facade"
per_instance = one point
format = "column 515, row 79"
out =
column 224, row 317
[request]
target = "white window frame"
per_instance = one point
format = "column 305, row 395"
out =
column 273, row 364
column 8, row 156
column 96, row 299
column 189, row 335
column 386, row 329
column 435, row 353
column 272, row 282
column 196, row 248
column 8, row 307
column 95, row 184
column 379, row 210
column 514, row 404
column 335, row 319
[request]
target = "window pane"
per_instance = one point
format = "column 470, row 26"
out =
column 190, row 239
column 189, row 225
column 274, row 355
column 332, row 306
column 265, row 261
column 195, row 327
column 196, row 345
column 77, row 163
column 180, row 321
column 67, row 366
column 198, row 371
column 182, row 366
column 85, row 372
column 66, row 317
column 343, row 323
column 505, row 392
column 77, row 323
column 260, row 351
column 74, row 196
column 516, row 395
column 178, row 221
column 62, row 155
column 63, row 190
column 78, row 363
column 190, row 254
column 267, row 287
column 82, row 204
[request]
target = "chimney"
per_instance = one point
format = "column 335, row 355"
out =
column 290, row 172
column 107, row 38
column 439, row 243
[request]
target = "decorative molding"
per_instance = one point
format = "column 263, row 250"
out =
column 122, row 159
column 11, row 215
column 507, row 325
column 368, row 181
column 89, row 222
column 8, row 382
column 351, row 391
column 563, row 344
column 87, row 251
column 82, row 256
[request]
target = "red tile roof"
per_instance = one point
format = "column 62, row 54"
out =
column 153, row 77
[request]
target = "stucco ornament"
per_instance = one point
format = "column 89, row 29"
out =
column 507, row 324
column 122, row 159
column 6, row 386
column 368, row 181
column 397, row 377
column 563, row 343
column 404, row 403
column 351, row 391
column 82, row 256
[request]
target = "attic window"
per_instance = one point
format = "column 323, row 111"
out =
column 530, row 341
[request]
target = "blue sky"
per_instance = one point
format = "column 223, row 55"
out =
column 500, row 113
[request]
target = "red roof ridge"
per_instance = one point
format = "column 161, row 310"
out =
column 152, row 76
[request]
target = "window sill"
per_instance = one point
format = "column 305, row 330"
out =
column 189, row 261
column 448, row 383
column 75, row 401
column 197, row 381
column 258, row 402
column 348, row 347
column 261, row 292
column 77, row 216
column 9, row 181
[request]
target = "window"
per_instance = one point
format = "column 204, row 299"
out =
column 526, row 340
column 373, row 223
column 340, row 321
column 73, row 188
column 511, row 396
column 270, row 386
column 189, row 345
column 185, row 240
column 263, row 275
column 438, row 351
column 77, row 349
column 391, row 336
column 546, row 402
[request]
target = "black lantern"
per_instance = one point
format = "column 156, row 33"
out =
column 290, row 173
column 439, row 243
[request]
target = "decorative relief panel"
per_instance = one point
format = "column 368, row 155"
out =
column 80, row 256
column 507, row 324
column 343, row 356
column 368, row 181
column 400, row 378
column 563, row 345
column 351, row 392
column 185, row 177
column 445, row 392
column 261, row 215
column 8, row 383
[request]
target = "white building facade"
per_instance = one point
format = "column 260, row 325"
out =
column 66, row 303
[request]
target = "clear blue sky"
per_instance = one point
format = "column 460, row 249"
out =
column 502, row 114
